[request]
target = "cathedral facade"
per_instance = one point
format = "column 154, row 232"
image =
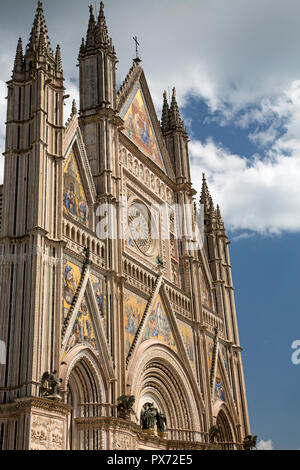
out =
column 117, row 315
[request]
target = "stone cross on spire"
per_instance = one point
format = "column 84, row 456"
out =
column 137, row 57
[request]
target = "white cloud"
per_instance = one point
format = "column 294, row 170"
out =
column 260, row 195
column 265, row 445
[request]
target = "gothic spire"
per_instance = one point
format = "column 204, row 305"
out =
column 19, row 56
column 39, row 39
column 219, row 219
column 165, row 119
column 175, row 119
column 58, row 60
column 101, row 32
column 206, row 198
column 90, row 35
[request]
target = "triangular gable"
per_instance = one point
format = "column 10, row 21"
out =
column 158, row 327
column 138, row 125
column 87, row 327
column 82, row 331
column 141, row 125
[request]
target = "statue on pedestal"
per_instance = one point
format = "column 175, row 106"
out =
column 125, row 406
column 249, row 442
column 50, row 385
column 148, row 415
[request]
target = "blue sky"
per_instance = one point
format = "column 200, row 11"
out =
column 237, row 75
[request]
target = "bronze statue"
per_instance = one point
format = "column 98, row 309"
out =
column 87, row 253
column 214, row 433
column 50, row 385
column 161, row 422
column 125, row 406
column 148, row 415
column 249, row 442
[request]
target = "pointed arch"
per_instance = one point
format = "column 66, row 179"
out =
column 86, row 390
column 223, row 417
column 159, row 376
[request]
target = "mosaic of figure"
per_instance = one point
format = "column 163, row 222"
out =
column 99, row 290
column 72, row 275
column 219, row 389
column 134, row 308
column 74, row 198
column 82, row 331
column 187, row 337
column 158, row 326
column 210, row 350
column 139, row 129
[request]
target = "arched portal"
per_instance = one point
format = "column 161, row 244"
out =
column 157, row 376
column 225, row 429
column 85, row 391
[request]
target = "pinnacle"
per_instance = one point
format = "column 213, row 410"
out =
column 97, row 33
column 102, row 32
column 74, row 108
column 174, row 111
column 165, row 120
column 205, row 197
column 39, row 40
column 58, row 59
column 90, row 35
column 19, row 55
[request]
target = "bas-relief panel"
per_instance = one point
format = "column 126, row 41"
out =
column 187, row 336
column 158, row 326
column 134, row 308
column 139, row 129
column 75, row 202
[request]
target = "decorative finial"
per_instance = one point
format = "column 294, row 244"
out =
column 74, row 108
column 165, row 118
column 137, row 57
column 58, row 59
column 19, row 55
